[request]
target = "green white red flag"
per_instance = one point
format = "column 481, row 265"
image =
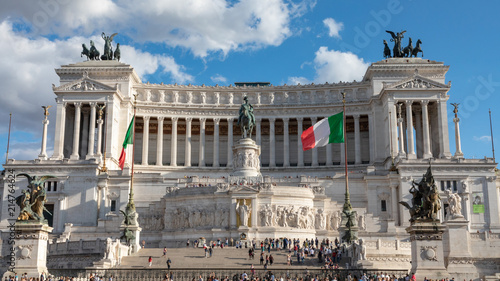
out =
column 129, row 139
column 328, row 130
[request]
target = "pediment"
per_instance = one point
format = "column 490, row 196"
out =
column 84, row 84
column 417, row 82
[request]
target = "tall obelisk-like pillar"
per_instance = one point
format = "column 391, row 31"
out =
column 45, row 122
column 458, row 145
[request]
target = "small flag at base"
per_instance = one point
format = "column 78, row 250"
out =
column 129, row 139
column 328, row 130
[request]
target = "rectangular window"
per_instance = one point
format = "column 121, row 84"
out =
column 113, row 205
column 442, row 185
column 455, row 186
column 383, row 206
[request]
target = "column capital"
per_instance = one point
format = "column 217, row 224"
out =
column 314, row 119
column 230, row 119
column 175, row 119
column 93, row 104
column 355, row 116
column 189, row 119
column 272, row 120
column 424, row 102
column 285, row 120
column 258, row 121
column 408, row 102
column 64, row 104
column 300, row 119
column 160, row 118
column 146, row 118
column 203, row 120
column 216, row 121
column 77, row 104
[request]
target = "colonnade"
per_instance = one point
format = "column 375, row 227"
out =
column 271, row 142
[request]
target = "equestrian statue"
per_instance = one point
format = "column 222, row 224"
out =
column 246, row 120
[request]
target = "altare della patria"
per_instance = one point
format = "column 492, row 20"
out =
column 137, row 167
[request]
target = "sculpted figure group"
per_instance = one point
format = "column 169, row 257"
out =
column 32, row 200
column 398, row 51
column 93, row 53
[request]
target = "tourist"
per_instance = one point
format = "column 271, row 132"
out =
column 187, row 243
column 164, row 252
column 261, row 258
column 169, row 262
column 150, row 261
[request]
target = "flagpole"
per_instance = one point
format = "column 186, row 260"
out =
column 8, row 139
column 491, row 131
column 131, row 195
column 350, row 231
column 345, row 148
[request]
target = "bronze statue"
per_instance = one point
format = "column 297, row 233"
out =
column 32, row 201
column 396, row 38
column 94, row 53
column 387, row 50
column 117, row 52
column 426, row 201
column 246, row 120
column 108, row 49
column 417, row 49
column 46, row 110
column 85, row 52
column 408, row 49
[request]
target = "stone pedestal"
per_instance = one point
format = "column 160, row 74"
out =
column 31, row 247
column 246, row 160
column 427, row 256
column 458, row 244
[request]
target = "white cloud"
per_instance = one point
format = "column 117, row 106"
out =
column 334, row 66
column 298, row 80
column 202, row 26
column 28, row 71
column 482, row 138
column 333, row 27
column 218, row 79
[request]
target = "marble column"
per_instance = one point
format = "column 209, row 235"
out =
column 425, row 129
column 99, row 137
column 394, row 204
column 409, row 130
column 76, row 131
column 145, row 140
column 300, row 152
column 173, row 144
column 402, row 152
column 43, row 151
column 159, row 142
column 216, row 142
column 272, row 143
column 230, row 142
column 314, row 151
column 201, row 158
column 286, row 143
column 458, row 152
column 444, row 142
column 357, row 140
column 418, row 132
column 329, row 159
column 254, row 214
column 59, row 131
column 371, row 136
column 84, row 133
column 258, row 133
column 90, row 152
column 187, row 156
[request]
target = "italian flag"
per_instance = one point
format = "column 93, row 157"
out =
column 328, row 130
column 129, row 139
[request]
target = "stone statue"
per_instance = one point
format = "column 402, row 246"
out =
column 130, row 215
column 243, row 211
column 108, row 49
column 362, row 250
column 46, row 110
column 426, row 201
column 454, row 205
column 362, row 222
column 246, row 120
column 396, row 38
column 32, row 201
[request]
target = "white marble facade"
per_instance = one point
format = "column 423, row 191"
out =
column 183, row 156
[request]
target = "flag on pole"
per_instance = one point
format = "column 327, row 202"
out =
column 129, row 139
column 328, row 130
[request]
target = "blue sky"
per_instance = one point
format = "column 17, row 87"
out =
column 221, row 42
